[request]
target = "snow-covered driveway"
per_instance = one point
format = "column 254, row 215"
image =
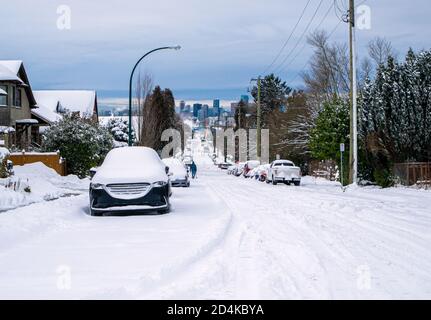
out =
column 227, row 238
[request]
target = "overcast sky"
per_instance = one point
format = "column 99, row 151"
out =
column 225, row 42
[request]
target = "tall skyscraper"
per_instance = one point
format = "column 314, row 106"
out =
column 196, row 108
column 182, row 106
column 216, row 108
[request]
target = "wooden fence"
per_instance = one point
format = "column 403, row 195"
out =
column 51, row 160
column 413, row 173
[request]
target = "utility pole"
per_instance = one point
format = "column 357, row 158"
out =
column 353, row 154
column 259, row 116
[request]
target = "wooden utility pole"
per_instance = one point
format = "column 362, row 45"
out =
column 258, row 122
column 353, row 154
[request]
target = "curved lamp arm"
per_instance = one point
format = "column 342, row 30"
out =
column 131, row 84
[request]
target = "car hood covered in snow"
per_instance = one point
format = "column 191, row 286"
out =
column 131, row 165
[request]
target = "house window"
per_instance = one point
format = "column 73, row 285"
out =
column 3, row 99
column 17, row 97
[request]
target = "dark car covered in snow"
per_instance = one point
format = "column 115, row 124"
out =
column 131, row 179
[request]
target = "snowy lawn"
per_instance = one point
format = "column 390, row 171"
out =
column 42, row 184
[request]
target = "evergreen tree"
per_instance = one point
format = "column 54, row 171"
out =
column 395, row 114
column 119, row 130
column 274, row 93
column 332, row 128
column 159, row 115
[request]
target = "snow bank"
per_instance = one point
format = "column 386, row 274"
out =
column 35, row 183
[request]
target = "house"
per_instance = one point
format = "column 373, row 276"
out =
column 16, row 102
column 25, row 113
column 53, row 104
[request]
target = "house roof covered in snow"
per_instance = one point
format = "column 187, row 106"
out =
column 46, row 115
column 60, row 101
column 9, row 70
column 13, row 70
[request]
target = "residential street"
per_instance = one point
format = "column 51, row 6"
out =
column 226, row 237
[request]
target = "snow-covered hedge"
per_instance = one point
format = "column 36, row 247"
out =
column 4, row 154
column 119, row 130
column 82, row 143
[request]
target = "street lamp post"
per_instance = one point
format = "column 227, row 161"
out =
column 131, row 83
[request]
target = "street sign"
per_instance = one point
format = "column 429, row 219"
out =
column 342, row 147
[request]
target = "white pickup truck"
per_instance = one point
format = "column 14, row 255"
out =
column 284, row 171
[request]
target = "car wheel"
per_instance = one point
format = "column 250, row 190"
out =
column 95, row 213
column 165, row 211
column 274, row 182
column 297, row 183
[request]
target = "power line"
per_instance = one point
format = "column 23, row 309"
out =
column 305, row 43
column 300, row 38
column 288, row 39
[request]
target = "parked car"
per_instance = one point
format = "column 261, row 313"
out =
column 284, row 171
column 231, row 169
column 238, row 171
column 178, row 172
column 188, row 160
column 249, row 166
column 263, row 172
column 131, row 179
column 224, row 165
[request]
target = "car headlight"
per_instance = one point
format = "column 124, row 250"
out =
column 96, row 186
column 160, row 184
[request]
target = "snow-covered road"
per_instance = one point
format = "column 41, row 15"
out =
column 226, row 238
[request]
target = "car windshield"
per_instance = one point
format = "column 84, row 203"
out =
column 283, row 164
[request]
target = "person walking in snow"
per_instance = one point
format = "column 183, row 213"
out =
column 194, row 169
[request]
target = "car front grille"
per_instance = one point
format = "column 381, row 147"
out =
column 128, row 190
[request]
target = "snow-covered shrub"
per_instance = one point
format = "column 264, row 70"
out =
column 82, row 143
column 4, row 154
column 119, row 130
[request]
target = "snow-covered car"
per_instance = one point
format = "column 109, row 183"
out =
column 188, row 160
column 262, row 171
column 231, row 169
column 239, row 169
column 284, row 171
column 130, row 179
column 178, row 172
column 249, row 166
column 224, row 165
